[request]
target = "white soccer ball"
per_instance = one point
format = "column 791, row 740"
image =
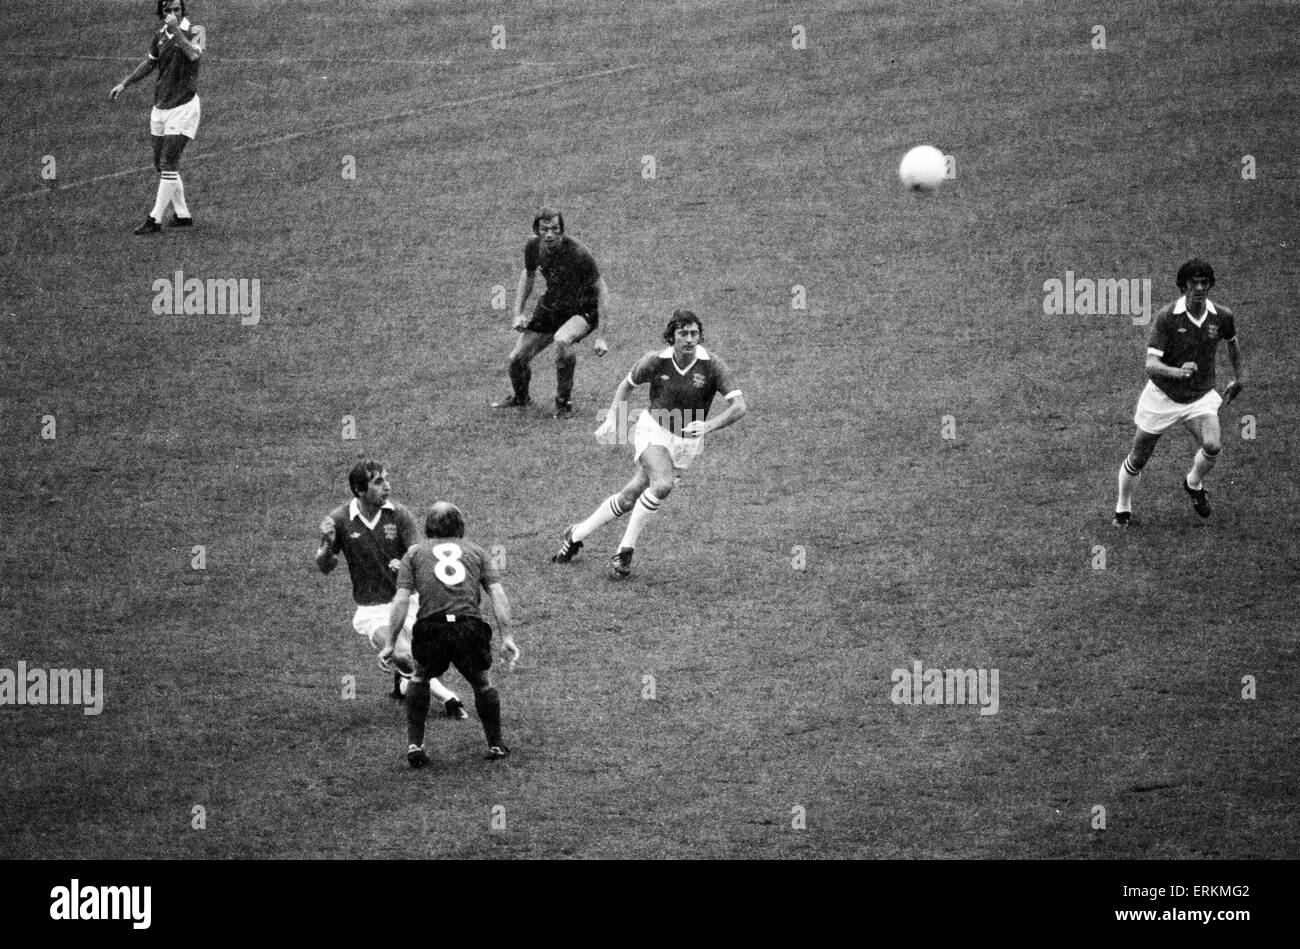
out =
column 923, row 168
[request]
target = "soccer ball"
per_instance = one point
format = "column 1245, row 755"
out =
column 922, row 168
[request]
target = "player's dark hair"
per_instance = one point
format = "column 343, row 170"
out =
column 445, row 520
column 162, row 3
column 681, row 318
column 1194, row 269
column 361, row 474
column 545, row 214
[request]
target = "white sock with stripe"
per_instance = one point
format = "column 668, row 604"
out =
column 178, row 198
column 167, row 182
column 609, row 510
column 645, row 505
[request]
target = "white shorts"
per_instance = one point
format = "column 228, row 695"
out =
column 1156, row 412
column 649, row 432
column 182, row 120
column 370, row 619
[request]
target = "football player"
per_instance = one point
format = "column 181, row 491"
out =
column 174, row 51
column 1180, row 363
column 683, row 380
column 568, row 312
column 373, row 532
column 442, row 577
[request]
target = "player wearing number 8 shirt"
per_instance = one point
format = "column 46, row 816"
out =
column 447, row 572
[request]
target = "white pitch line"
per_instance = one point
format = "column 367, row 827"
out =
column 335, row 127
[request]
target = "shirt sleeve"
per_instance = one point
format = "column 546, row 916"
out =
column 153, row 45
column 530, row 254
column 643, row 370
column 406, row 572
column 724, row 380
column 1229, row 331
column 407, row 532
column 1158, row 342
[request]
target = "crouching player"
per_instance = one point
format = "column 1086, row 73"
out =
column 446, row 573
column 683, row 379
column 373, row 533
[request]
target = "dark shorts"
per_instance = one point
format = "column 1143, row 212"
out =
column 465, row 644
column 548, row 318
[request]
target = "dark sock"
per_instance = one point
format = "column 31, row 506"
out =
column 417, row 710
column 397, row 683
column 488, row 706
column 520, row 376
column 564, row 372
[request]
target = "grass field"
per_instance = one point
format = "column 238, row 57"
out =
column 774, row 167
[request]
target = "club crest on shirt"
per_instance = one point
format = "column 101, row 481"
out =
column 698, row 380
column 1212, row 330
column 390, row 531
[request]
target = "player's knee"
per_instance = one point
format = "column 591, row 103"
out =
column 564, row 352
column 662, row 486
column 1211, row 447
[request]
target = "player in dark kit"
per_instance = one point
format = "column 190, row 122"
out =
column 1180, row 361
column 372, row 533
column 569, row 311
column 683, row 379
column 447, row 572
column 174, row 51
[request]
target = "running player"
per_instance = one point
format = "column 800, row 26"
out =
column 446, row 573
column 174, row 51
column 683, row 381
column 373, row 532
column 1180, row 361
column 568, row 312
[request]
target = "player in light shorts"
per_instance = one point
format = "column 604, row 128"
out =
column 684, row 378
column 1180, row 363
column 175, row 51
column 372, row 533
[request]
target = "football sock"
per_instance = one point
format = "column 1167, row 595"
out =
column 488, row 705
column 565, row 367
column 610, row 509
column 645, row 505
column 1201, row 466
column 520, row 376
column 440, row 691
column 167, row 182
column 178, row 198
column 1128, row 477
column 417, row 709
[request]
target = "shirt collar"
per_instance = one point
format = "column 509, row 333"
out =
column 1181, row 306
column 354, row 512
column 700, row 353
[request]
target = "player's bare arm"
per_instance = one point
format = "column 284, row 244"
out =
column 501, row 606
column 146, row 66
column 1238, row 383
column 523, row 290
column 191, row 46
column 733, row 413
column 600, row 347
column 1158, row 369
column 621, row 395
column 396, row 619
column 326, row 559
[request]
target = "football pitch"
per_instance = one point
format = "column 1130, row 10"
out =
column 925, row 478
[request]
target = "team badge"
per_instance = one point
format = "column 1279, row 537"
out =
column 1212, row 331
column 698, row 380
column 390, row 531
